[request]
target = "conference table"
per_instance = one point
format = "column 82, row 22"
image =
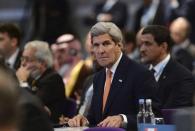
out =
column 70, row 128
column 141, row 127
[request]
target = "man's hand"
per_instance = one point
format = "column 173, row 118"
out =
column 77, row 121
column 63, row 120
column 23, row 73
column 112, row 121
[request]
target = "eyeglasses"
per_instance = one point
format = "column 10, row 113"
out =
column 27, row 59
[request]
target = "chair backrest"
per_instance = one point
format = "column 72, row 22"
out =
column 104, row 129
column 168, row 115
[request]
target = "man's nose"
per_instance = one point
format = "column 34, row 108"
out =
column 142, row 48
column 101, row 49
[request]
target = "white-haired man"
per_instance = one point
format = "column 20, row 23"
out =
column 36, row 71
column 117, row 87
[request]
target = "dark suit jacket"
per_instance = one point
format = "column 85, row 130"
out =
column 18, row 61
column 33, row 114
column 184, row 57
column 51, row 91
column 176, row 86
column 130, row 83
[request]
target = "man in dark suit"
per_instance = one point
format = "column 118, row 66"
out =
column 117, row 87
column 36, row 72
column 183, row 50
column 176, row 84
column 10, row 37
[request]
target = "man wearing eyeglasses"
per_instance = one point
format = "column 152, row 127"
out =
column 36, row 73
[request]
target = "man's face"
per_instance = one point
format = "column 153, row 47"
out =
column 61, row 55
column 150, row 51
column 178, row 34
column 29, row 61
column 106, row 51
column 5, row 44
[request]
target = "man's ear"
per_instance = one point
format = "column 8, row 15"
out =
column 164, row 45
column 14, row 42
column 120, row 45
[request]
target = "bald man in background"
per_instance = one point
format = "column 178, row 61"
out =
column 183, row 50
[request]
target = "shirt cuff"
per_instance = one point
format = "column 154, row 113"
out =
column 124, row 123
column 24, row 84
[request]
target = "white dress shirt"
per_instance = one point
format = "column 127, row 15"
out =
column 160, row 67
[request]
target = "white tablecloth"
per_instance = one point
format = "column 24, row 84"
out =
column 70, row 128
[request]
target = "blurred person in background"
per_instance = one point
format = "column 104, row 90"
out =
column 150, row 12
column 53, row 18
column 67, row 54
column 10, row 38
column 37, row 75
column 183, row 50
column 61, row 53
column 109, row 10
column 183, row 8
column 10, row 110
column 130, row 47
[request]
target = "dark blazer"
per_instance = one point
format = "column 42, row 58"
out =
column 34, row 118
column 130, row 83
column 185, row 58
column 176, row 86
column 51, row 91
column 18, row 61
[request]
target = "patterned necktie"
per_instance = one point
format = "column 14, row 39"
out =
column 107, row 87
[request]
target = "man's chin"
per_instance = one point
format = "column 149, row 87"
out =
column 144, row 61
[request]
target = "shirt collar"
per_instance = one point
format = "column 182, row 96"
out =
column 113, row 68
column 160, row 67
column 12, row 58
column 162, row 64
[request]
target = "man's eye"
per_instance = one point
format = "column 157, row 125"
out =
column 148, row 44
column 106, row 43
column 95, row 45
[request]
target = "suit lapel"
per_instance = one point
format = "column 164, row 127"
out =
column 117, row 83
column 165, row 72
column 17, row 61
column 100, row 91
